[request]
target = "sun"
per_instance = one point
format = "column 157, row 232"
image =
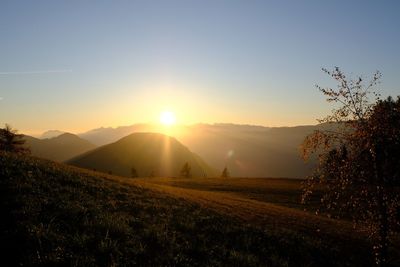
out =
column 167, row 118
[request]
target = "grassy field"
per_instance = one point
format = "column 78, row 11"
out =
column 56, row 215
column 284, row 192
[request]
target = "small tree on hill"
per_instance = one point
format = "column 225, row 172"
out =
column 186, row 170
column 11, row 141
column 359, row 161
column 225, row 173
column 134, row 172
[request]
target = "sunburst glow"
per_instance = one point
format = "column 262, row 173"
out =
column 167, row 118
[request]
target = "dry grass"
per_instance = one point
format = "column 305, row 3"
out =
column 57, row 215
column 264, row 202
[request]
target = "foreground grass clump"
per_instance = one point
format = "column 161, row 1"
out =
column 55, row 215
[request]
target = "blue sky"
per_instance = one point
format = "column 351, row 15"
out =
column 77, row 65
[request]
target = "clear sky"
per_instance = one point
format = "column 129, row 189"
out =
column 78, row 65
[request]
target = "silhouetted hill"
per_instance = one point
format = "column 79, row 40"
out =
column 247, row 150
column 60, row 148
column 150, row 154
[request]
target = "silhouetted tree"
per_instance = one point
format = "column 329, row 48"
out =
column 359, row 161
column 186, row 170
column 133, row 172
column 225, row 173
column 11, row 141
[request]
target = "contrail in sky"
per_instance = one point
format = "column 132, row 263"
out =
column 33, row 72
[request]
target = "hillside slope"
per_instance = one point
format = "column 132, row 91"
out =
column 57, row 215
column 59, row 148
column 150, row 154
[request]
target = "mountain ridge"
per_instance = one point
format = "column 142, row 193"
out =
column 149, row 154
column 51, row 134
column 246, row 150
column 59, row 148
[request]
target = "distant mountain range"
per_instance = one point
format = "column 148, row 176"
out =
column 246, row 150
column 143, row 155
column 103, row 136
column 51, row 134
column 60, row 148
column 252, row 151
